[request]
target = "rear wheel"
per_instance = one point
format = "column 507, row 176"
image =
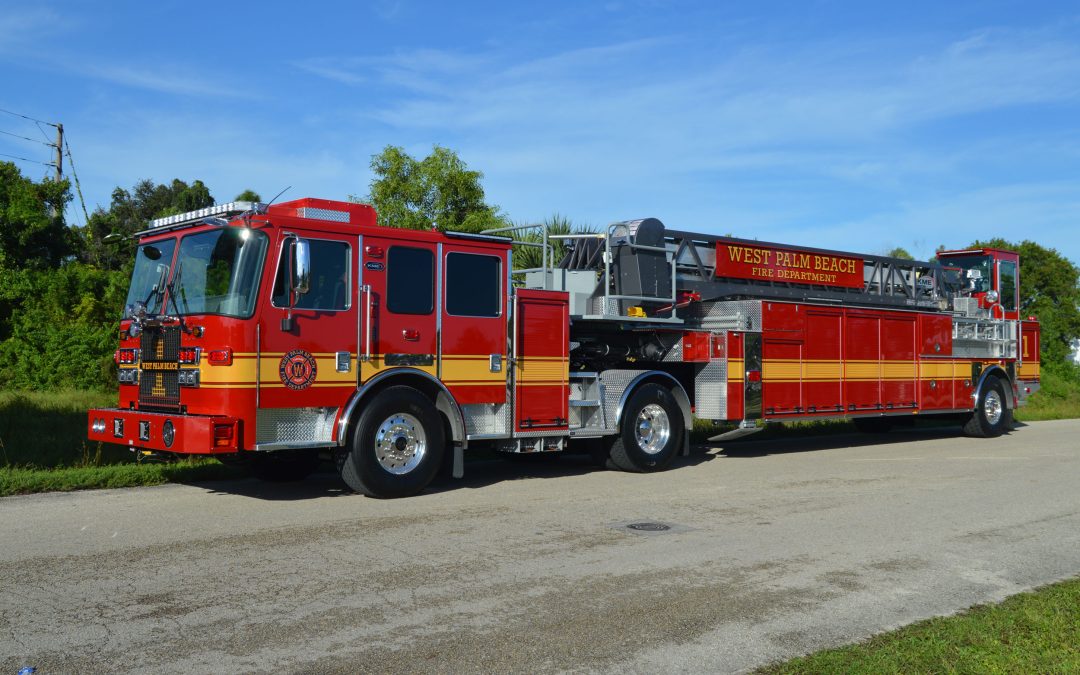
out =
column 397, row 446
column 651, row 431
column 992, row 415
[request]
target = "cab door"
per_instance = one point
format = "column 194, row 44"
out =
column 306, row 357
column 398, row 305
column 473, row 321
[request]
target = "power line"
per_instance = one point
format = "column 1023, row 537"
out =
column 26, row 117
column 26, row 138
column 23, row 159
column 78, row 188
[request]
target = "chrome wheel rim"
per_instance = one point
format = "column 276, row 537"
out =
column 400, row 443
column 992, row 407
column 652, row 429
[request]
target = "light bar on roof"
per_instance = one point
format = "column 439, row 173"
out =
column 217, row 210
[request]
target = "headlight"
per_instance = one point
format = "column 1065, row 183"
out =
column 168, row 433
column 992, row 296
column 189, row 378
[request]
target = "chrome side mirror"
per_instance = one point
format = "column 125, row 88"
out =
column 300, row 274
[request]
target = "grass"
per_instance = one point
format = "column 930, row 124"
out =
column 43, row 448
column 1036, row 632
column 23, row 480
column 48, row 429
column 1058, row 398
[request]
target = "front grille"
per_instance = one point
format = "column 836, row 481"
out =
column 160, row 388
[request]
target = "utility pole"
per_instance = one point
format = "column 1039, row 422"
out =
column 59, row 152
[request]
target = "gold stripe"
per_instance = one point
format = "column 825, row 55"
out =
column 472, row 368
column 531, row 369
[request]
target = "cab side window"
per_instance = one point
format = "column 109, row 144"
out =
column 410, row 280
column 330, row 278
column 1008, row 285
column 473, row 285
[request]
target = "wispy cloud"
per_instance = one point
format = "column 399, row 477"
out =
column 166, row 79
column 22, row 27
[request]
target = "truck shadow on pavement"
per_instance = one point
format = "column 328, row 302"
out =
column 479, row 473
column 787, row 444
column 487, row 469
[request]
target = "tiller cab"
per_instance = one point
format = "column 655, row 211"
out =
column 267, row 335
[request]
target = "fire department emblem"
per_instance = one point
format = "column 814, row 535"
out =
column 297, row 369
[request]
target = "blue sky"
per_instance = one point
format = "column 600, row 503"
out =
column 850, row 125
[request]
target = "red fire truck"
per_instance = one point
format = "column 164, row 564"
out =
column 270, row 334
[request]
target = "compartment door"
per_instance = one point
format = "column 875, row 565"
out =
column 541, row 361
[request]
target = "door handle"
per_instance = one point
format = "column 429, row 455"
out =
column 411, row 334
column 366, row 291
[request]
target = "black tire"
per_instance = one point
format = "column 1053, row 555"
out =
column 284, row 466
column 873, row 425
column 636, row 448
column 411, row 450
column 992, row 415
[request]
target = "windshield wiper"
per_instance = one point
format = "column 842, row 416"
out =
column 172, row 286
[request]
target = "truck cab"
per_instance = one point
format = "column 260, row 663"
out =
column 991, row 276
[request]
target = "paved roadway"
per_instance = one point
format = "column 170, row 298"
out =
column 776, row 548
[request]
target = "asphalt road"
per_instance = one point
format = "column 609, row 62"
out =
column 776, row 548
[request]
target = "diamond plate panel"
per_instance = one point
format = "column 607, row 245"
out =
column 710, row 391
column 615, row 383
column 742, row 315
column 610, row 309
column 486, row 418
column 323, row 214
column 295, row 425
column 675, row 353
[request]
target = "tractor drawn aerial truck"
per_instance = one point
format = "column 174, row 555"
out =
column 271, row 335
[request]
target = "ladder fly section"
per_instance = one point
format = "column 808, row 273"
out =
column 886, row 282
column 639, row 271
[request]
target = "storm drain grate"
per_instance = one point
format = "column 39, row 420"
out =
column 648, row 527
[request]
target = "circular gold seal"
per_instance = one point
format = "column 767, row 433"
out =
column 297, row 369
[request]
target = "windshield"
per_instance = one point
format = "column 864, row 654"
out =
column 217, row 272
column 150, row 261
column 981, row 263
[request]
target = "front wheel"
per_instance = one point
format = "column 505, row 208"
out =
column 650, row 433
column 397, row 446
column 992, row 416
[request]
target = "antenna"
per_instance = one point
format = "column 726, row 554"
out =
column 287, row 188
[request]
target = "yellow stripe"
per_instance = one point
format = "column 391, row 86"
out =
column 856, row 370
column 239, row 371
column 471, row 368
column 735, row 369
column 533, row 369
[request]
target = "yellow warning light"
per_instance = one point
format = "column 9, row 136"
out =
column 636, row 311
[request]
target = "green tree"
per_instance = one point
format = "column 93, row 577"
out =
column 248, row 196
column 527, row 256
column 32, row 230
column 439, row 190
column 131, row 211
column 1050, row 290
column 900, row 252
column 63, row 333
